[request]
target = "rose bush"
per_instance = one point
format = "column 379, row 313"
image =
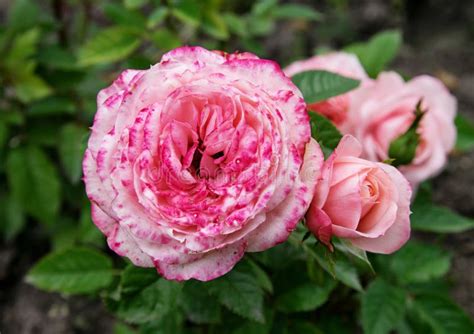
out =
column 342, row 63
column 189, row 164
column 383, row 109
column 365, row 202
column 199, row 159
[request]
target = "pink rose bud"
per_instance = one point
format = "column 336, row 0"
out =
column 199, row 159
column 365, row 202
column 384, row 109
column 341, row 63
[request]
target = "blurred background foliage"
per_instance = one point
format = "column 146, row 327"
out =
column 57, row 54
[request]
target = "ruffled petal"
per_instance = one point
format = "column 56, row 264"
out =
column 282, row 220
column 210, row 265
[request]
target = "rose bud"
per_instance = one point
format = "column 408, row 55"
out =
column 386, row 108
column 199, row 159
column 365, row 202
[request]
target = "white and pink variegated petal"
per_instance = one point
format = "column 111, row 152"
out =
column 211, row 265
column 191, row 54
column 290, row 101
column 94, row 187
column 125, row 81
column 147, row 230
column 207, row 243
column 109, row 101
column 122, row 243
column 282, row 220
column 399, row 233
column 164, row 249
column 104, row 121
column 103, row 221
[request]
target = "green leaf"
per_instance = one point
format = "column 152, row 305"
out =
column 260, row 275
column 12, row 117
column 252, row 327
column 417, row 262
column 338, row 268
column 272, row 258
column 3, row 134
column 441, row 287
column 123, row 329
column 236, row 24
column 215, row 25
column 23, row 47
column 154, row 302
column 318, row 86
column 134, row 279
column 296, row 11
column 305, row 297
column 108, row 46
column 72, row 145
column 55, row 57
column 34, row 183
column 465, row 138
column 383, row 306
column 88, row 232
column 379, row 51
column 43, row 131
column 30, row 87
column 442, row 315
column 347, row 248
column 402, row 149
column 13, row 217
column 53, row 105
column 124, row 17
column 430, row 217
column 156, row 17
column 187, row 11
column 263, row 7
column 74, row 270
column 64, row 233
column 324, row 131
column 346, row 272
column 334, row 323
column 133, row 4
column 198, row 305
column 171, row 323
column 23, row 15
column 258, row 26
column 240, row 293
column 165, row 39
column 306, row 327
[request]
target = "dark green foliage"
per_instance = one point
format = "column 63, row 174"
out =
column 317, row 86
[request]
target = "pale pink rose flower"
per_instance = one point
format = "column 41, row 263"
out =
column 384, row 109
column 342, row 63
column 199, row 159
column 365, row 202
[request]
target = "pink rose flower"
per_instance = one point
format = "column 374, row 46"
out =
column 365, row 202
column 384, row 109
column 341, row 63
column 199, row 159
